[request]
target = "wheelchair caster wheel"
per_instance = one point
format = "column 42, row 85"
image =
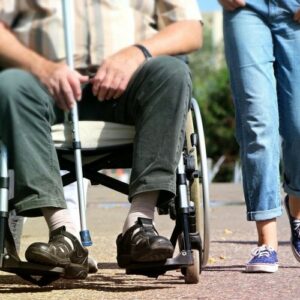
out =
column 192, row 272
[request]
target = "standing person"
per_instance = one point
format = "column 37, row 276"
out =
column 130, row 47
column 262, row 42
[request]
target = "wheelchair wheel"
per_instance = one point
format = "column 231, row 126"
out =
column 199, row 190
column 192, row 273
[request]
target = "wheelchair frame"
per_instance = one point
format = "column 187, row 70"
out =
column 190, row 215
column 190, row 209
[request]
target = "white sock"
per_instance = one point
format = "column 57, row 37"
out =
column 142, row 205
column 72, row 201
column 57, row 217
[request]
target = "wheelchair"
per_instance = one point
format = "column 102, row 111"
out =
column 101, row 145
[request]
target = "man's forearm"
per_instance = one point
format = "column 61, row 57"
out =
column 14, row 54
column 180, row 37
column 63, row 83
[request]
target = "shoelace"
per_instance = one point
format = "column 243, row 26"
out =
column 262, row 251
column 296, row 227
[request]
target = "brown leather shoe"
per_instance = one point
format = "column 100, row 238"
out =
column 141, row 243
column 59, row 253
column 93, row 265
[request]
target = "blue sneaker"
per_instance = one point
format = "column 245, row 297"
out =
column 295, row 230
column 264, row 260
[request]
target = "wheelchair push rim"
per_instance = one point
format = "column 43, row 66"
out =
column 199, row 188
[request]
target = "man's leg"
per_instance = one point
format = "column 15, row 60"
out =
column 72, row 201
column 26, row 117
column 156, row 103
column 26, row 113
column 250, row 57
column 142, row 206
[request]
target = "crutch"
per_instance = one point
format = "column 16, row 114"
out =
column 3, row 195
column 67, row 7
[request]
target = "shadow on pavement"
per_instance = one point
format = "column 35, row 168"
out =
column 280, row 243
column 113, row 282
column 108, row 265
column 233, row 268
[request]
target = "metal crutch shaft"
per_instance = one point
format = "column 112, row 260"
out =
column 68, row 21
column 3, row 195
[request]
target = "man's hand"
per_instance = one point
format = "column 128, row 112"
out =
column 113, row 75
column 62, row 83
column 232, row 4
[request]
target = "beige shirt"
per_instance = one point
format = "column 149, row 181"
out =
column 101, row 27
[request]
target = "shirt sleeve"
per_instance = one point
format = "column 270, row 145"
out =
column 171, row 11
column 8, row 12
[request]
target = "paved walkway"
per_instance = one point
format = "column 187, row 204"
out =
column 232, row 239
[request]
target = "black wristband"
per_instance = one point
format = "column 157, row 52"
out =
column 145, row 51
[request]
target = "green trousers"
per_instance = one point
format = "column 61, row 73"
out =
column 155, row 102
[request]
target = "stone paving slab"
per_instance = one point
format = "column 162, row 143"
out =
column 232, row 239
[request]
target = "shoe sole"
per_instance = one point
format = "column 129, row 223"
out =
column 75, row 271
column 72, row 271
column 261, row 268
column 92, row 266
column 156, row 255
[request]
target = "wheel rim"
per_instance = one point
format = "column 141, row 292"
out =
column 201, row 203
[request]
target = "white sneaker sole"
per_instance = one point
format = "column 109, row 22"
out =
column 262, row 268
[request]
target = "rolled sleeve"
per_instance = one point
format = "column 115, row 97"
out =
column 8, row 12
column 170, row 11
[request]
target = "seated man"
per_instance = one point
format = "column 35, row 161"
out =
column 115, row 40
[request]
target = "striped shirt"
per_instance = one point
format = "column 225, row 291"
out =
column 101, row 27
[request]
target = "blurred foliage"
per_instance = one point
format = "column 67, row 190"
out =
column 212, row 91
column 214, row 97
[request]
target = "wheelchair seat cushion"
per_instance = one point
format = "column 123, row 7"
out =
column 93, row 135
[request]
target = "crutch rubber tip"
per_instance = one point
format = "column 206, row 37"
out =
column 86, row 238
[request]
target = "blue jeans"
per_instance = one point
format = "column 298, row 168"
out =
column 262, row 46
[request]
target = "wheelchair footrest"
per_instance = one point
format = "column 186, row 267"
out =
column 27, row 270
column 155, row 269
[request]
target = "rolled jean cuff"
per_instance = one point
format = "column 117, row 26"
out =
column 290, row 191
column 264, row 215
